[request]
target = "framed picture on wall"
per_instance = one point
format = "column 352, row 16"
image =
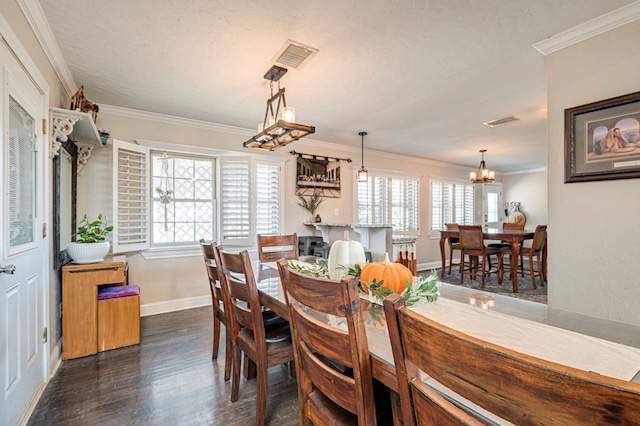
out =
column 318, row 175
column 602, row 140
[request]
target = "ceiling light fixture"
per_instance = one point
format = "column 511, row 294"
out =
column 483, row 175
column 278, row 127
column 363, row 175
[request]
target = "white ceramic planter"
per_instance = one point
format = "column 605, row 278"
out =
column 88, row 252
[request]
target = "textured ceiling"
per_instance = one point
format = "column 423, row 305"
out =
column 419, row 76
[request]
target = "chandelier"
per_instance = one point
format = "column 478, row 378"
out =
column 483, row 175
column 278, row 127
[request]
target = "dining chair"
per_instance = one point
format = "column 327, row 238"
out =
column 472, row 245
column 264, row 342
column 329, row 393
column 536, row 250
column 454, row 244
column 219, row 311
column 513, row 386
column 274, row 247
column 505, row 246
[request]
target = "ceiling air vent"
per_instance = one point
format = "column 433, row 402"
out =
column 500, row 121
column 294, row 54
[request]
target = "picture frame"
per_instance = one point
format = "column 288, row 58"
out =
column 602, row 140
column 318, row 175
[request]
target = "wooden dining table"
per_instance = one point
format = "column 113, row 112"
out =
column 497, row 325
column 513, row 236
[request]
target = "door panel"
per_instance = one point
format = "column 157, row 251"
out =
column 22, row 358
column 491, row 205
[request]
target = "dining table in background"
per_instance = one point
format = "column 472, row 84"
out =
column 513, row 236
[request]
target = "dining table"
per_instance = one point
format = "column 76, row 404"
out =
column 515, row 237
column 495, row 323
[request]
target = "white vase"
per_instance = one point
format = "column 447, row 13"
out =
column 88, row 252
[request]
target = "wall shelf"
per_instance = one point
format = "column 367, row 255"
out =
column 75, row 126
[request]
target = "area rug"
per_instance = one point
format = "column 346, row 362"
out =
column 525, row 289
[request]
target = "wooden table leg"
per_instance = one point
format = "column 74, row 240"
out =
column 515, row 255
column 444, row 260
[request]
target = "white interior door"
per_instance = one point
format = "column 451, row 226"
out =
column 491, row 205
column 22, row 251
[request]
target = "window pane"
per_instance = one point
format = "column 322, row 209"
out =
column 183, row 198
column 267, row 199
column 21, row 182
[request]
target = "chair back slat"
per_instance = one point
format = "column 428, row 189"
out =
column 324, row 350
column 275, row 247
column 514, row 386
column 514, row 226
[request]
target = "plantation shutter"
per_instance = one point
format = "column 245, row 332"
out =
column 235, row 202
column 451, row 203
column 267, row 205
column 131, row 215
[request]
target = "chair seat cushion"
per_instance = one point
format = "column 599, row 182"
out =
column 118, row 291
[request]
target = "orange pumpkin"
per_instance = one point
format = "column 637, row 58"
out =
column 395, row 275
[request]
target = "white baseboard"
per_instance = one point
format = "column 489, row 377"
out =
column 174, row 305
column 429, row 266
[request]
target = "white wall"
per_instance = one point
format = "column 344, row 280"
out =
column 594, row 230
column 530, row 189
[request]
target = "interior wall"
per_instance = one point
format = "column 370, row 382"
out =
column 530, row 189
column 168, row 280
column 594, row 262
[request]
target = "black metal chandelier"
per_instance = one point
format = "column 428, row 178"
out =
column 363, row 175
column 278, row 127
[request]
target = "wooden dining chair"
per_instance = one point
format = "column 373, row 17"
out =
column 513, row 386
column 454, row 245
column 333, row 365
column 265, row 345
column 472, row 246
column 274, row 247
column 536, row 251
column 219, row 312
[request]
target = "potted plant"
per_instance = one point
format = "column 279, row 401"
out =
column 311, row 204
column 164, row 194
column 90, row 245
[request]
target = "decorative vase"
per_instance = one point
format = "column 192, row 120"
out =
column 318, row 218
column 88, row 252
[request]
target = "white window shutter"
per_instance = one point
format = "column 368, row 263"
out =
column 131, row 215
column 235, row 209
column 267, row 198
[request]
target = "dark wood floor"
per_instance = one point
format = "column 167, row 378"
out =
column 169, row 379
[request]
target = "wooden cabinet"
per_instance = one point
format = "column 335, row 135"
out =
column 80, row 303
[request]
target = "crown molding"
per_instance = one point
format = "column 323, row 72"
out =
column 13, row 42
column 592, row 28
column 526, row 171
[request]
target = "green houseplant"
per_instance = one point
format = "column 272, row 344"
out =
column 311, row 203
column 90, row 245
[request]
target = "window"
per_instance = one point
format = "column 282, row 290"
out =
column 451, row 202
column 249, row 198
column 389, row 199
column 183, row 197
